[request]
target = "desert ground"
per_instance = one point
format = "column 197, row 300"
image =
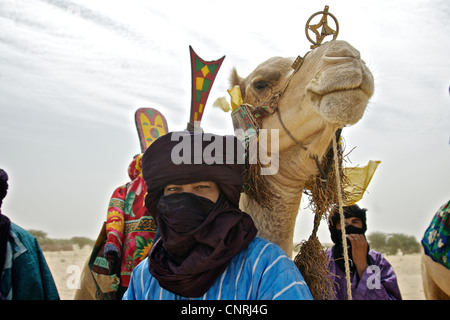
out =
column 66, row 267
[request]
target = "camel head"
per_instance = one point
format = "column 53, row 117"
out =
column 330, row 90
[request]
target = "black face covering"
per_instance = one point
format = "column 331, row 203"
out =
column 336, row 235
column 198, row 239
column 186, row 211
column 338, row 249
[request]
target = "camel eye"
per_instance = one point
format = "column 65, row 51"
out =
column 261, row 84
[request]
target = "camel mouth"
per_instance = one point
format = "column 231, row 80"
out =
column 343, row 107
column 347, row 80
column 321, row 95
column 341, row 92
column 344, row 74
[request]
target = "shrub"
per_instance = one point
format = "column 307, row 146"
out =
column 82, row 241
column 392, row 243
column 48, row 244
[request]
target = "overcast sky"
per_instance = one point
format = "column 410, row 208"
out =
column 72, row 74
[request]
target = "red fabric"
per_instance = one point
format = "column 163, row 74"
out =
column 129, row 226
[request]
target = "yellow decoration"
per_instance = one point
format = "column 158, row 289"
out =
column 236, row 97
column 359, row 179
column 147, row 127
column 205, row 70
column 138, row 165
column 222, row 103
column 199, row 83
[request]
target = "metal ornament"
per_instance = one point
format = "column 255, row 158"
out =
column 320, row 36
column 326, row 29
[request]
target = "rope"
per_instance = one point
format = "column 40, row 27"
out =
column 342, row 220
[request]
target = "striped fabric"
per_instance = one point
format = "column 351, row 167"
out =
column 261, row 272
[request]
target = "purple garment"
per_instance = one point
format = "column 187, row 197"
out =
column 378, row 282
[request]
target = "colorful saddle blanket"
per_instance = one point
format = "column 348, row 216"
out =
column 436, row 240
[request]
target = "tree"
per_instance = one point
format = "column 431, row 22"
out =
column 38, row 234
column 392, row 243
column 82, row 241
column 377, row 241
column 408, row 244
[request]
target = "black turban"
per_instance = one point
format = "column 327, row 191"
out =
column 203, row 157
column 3, row 185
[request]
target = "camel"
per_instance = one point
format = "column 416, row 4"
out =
column 436, row 279
column 436, row 275
column 331, row 90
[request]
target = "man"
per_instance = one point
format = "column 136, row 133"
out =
column 372, row 277
column 130, row 229
column 24, row 274
column 208, row 247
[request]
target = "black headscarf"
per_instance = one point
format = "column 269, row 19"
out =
column 3, row 185
column 198, row 237
column 5, row 223
column 336, row 235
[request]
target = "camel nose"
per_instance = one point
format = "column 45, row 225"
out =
column 341, row 49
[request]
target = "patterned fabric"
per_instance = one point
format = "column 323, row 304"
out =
column 26, row 275
column 261, row 272
column 436, row 240
column 379, row 281
column 203, row 75
column 129, row 226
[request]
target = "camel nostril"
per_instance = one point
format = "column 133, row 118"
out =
column 339, row 51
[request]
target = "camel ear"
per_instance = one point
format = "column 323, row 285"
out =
column 236, row 80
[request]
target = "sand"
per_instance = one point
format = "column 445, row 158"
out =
column 66, row 269
column 409, row 275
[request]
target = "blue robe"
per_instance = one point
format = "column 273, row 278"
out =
column 261, row 272
column 26, row 275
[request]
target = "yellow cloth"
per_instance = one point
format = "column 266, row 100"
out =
column 359, row 179
column 222, row 103
column 236, row 98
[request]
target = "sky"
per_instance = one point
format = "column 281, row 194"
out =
column 73, row 73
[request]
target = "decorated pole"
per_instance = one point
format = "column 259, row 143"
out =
column 203, row 75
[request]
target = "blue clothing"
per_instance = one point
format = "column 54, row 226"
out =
column 261, row 272
column 26, row 275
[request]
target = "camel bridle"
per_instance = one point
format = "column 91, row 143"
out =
column 271, row 107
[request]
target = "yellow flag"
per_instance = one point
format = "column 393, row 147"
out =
column 358, row 181
column 236, row 98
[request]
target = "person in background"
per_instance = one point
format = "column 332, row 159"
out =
column 24, row 273
column 372, row 276
column 208, row 247
column 130, row 228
